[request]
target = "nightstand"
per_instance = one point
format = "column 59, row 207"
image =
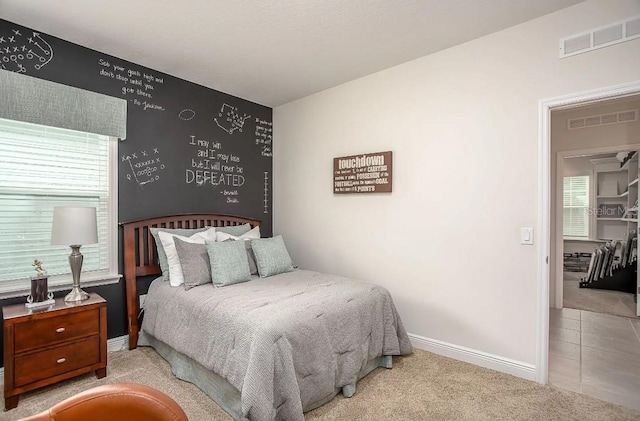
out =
column 44, row 346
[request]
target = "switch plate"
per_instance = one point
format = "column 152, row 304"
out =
column 526, row 236
column 142, row 298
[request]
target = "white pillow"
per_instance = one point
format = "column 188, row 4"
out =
column 176, row 278
column 223, row 236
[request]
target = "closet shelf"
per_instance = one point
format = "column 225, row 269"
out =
column 617, row 212
column 617, row 196
column 634, row 159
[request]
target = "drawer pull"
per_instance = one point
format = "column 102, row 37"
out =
column 60, row 329
column 61, row 360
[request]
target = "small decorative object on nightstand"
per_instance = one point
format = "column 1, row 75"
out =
column 46, row 345
column 40, row 295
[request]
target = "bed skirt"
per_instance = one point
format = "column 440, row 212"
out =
column 220, row 390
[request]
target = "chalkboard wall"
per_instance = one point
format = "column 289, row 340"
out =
column 189, row 149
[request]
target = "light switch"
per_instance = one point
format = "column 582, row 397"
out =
column 526, row 236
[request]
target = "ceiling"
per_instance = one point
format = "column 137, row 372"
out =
column 272, row 51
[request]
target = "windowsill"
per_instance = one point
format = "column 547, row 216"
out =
column 583, row 240
column 22, row 287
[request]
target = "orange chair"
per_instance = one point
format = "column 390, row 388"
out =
column 119, row 401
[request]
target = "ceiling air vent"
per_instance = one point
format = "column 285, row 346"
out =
column 602, row 119
column 609, row 118
column 633, row 27
column 605, row 36
column 625, row 116
column 576, row 123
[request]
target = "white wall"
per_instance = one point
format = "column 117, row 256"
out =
column 578, row 166
column 463, row 127
column 563, row 139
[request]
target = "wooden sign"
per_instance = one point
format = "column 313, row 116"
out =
column 366, row 173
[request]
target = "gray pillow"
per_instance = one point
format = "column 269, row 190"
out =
column 194, row 260
column 229, row 263
column 251, row 257
column 272, row 256
column 162, row 256
column 236, row 230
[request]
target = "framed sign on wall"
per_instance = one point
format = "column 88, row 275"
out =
column 366, row 173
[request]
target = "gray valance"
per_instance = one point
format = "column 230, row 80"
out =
column 33, row 100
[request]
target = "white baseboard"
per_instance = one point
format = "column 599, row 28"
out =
column 482, row 359
column 113, row 344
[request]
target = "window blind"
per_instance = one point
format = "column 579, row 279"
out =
column 576, row 206
column 40, row 168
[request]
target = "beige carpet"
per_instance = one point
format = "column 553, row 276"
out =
column 596, row 300
column 423, row 386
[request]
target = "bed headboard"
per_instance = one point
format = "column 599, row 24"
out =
column 140, row 257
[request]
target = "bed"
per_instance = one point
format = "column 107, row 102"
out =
column 270, row 348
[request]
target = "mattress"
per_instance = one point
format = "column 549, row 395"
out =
column 286, row 343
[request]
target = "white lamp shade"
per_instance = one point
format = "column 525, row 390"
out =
column 74, row 226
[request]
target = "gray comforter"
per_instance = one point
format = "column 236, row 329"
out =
column 285, row 342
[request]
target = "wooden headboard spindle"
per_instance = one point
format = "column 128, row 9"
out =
column 140, row 256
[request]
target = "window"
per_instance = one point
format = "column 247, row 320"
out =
column 576, row 206
column 43, row 167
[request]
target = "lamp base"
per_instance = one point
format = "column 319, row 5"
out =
column 75, row 261
column 76, row 295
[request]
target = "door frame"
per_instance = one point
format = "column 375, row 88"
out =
column 544, row 228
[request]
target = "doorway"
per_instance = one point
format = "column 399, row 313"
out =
column 547, row 250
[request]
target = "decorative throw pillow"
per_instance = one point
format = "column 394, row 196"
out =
column 162, row 256
column 235, row 229
column 272, row 256
column 247, row 237
column 228, row 263
column 176, row 278
column 194, row 261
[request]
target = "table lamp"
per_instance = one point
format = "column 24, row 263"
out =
column 73, row 227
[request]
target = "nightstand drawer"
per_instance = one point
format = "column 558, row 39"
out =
column 44, row 364
column 34, row 334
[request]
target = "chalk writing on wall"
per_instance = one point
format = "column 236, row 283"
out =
column 264, row 136
column 139, row 86
column 162, row 112
column 212, row 167
column 18, row 51
column 229, row 119
column 143, row 167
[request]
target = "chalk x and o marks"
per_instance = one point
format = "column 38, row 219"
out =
column 229, row 119
column 143, row 167
column 19, row 52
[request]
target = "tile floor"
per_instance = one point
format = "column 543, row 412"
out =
column 595, row 354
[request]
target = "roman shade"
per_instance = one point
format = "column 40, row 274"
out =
column 33, row 100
